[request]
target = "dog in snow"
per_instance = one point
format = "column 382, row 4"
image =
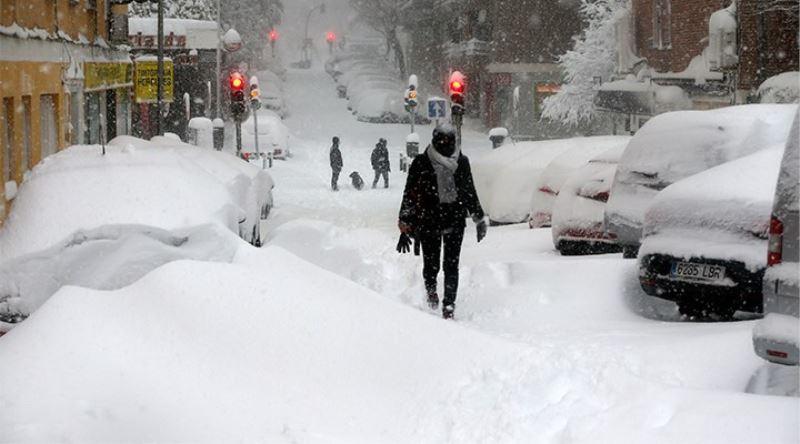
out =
column 358, row 182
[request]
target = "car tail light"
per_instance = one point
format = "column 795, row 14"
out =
column 775, row 249
column 777, row 354
column 546, row 189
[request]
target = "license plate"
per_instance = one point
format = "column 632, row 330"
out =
column 697, row 272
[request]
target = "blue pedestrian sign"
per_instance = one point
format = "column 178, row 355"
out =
column 437, row 108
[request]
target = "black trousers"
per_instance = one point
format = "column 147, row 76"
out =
column 335, row 179
column 378, row 174
column 432, row 261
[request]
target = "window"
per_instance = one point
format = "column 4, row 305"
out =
column 8, row 139
column 92, row 119
column 47, row 124
column 662, row 24
column 27, row 147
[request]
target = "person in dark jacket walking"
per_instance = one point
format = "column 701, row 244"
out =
column 380, row 163
column 336, row 164
column 439, row 195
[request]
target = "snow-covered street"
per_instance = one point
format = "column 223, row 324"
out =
column 323, row 336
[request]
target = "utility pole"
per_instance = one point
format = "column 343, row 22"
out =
column 218, row 112
column 160, row 86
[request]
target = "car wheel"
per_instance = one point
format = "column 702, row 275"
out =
column 256, row 242
column 706, row 311
column 629, row 252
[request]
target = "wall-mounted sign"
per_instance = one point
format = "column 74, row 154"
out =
column 146, row 80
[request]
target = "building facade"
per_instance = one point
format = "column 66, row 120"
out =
column 507, row 49
column 715, row 52
column 61, row 82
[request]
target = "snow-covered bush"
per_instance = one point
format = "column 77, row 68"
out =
column 593, row 55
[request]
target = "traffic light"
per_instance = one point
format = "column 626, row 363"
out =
column 273, row 36
column 457, row 87
column 410, row 97
column 238, row 104
column 330, row 37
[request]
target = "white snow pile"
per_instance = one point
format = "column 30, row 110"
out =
column 783, row 88
column 549, row 182
column 163, row 184
column 675, row 145
column 579, row 207
column 272, row 349
column 721, row 213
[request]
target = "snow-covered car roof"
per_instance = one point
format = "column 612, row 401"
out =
column 272, row 133
column 678, row 144
column 721, row 213
column 135, row 182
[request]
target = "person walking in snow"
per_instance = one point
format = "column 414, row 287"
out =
column 336, row 164
column 380, row 163
column 438, row 196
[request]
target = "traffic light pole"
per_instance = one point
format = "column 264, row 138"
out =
column 160, row 58
column 239, row 138
column 255, row 126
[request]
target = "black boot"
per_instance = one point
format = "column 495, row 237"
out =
column 448, row 311
column 433, row 301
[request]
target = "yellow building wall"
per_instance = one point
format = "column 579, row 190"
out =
column 32, row 80
column 69, row 16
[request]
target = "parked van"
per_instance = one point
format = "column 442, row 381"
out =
column 775, row 338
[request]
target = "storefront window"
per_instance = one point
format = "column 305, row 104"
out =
column 27, row 143
column 8, row 138
column 47, row 124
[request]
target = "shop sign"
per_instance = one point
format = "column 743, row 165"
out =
column 146, row 81
column 171, row 41
column 106, row 75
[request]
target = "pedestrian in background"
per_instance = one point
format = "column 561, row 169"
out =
column 439, row 195
column 380, row 163
column 336, row 164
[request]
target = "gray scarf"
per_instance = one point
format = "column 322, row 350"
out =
column 445, row 168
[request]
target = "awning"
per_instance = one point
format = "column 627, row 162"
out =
column 625, row 102
column 643, row 98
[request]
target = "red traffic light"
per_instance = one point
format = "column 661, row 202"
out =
column 273, row 35
column 237, row 81
column 330, row 37
column 456, row 86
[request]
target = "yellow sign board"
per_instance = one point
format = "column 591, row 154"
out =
column 106, row 75
column 146, row 81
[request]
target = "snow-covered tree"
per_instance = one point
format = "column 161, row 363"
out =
column 384, row 17
column 185, row 9
column 593, row 55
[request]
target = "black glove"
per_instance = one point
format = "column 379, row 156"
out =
column 404, row 244
column 481, row 229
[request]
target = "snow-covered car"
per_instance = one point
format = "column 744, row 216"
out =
column 579, row 207
column 163, row 183
column 776, row 337
column 676, row 145
column 549, row 182
column 103, row 258
column 705, row 237
column 380, row 106
column 273, row 135
column 505, row 177
column 270, row 86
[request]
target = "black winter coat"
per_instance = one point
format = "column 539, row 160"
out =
column 380, row 159
column 421, row 208
column 336, row 158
